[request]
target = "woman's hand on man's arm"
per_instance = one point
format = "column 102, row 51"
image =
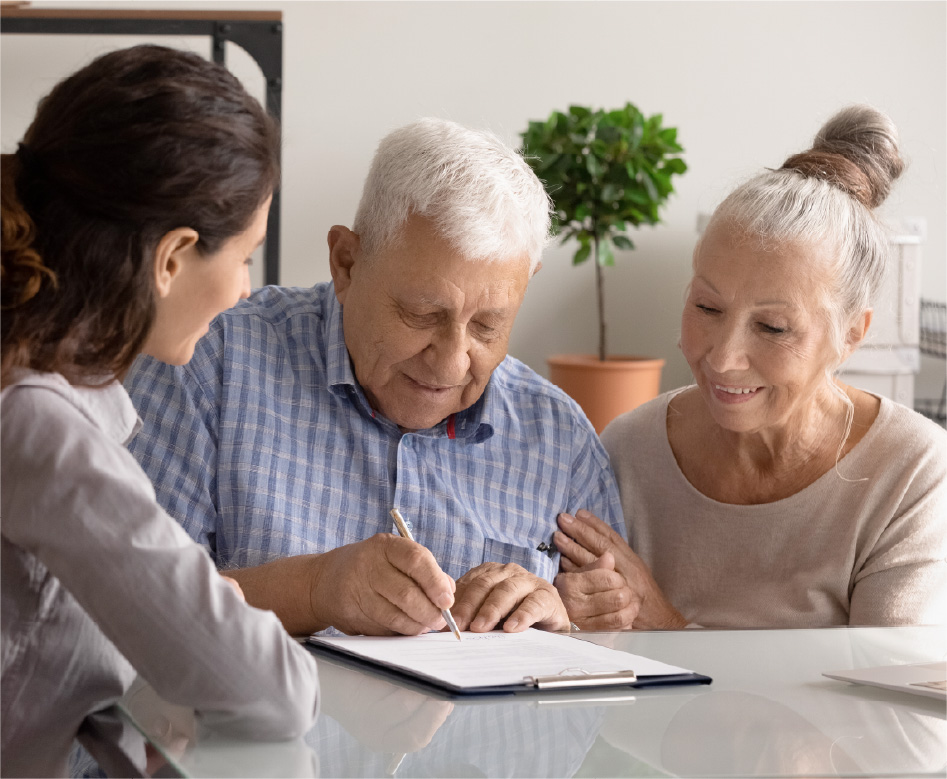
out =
column 592, row 552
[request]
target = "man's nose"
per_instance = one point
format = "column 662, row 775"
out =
column 449, row 354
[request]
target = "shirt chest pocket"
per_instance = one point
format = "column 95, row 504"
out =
column 533, row 560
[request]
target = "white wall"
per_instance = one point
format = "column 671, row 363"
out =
column 746, row 83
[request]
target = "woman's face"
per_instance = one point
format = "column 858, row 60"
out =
column 753, row 332
column 203, row 286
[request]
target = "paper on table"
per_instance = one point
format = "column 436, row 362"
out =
column 926, row 679
column 494, row 659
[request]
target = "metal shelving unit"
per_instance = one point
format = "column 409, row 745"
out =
column 259, row 33
column 933, row 342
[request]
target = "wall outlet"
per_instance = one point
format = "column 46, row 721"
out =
column 916, row 226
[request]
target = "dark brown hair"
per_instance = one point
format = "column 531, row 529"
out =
column 139, row 142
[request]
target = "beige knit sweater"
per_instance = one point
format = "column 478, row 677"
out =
column 870, row 552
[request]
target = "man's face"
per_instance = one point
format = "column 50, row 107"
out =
column 425, row 328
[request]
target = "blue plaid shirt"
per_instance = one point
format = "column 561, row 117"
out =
column 264, row 446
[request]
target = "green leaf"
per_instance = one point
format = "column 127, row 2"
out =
column 605, row 256
column 546, row 161
column 649, row 187
column 584, row 250
column 606, row 171
column 663, row 183
column 593, row 166
column 637, row 195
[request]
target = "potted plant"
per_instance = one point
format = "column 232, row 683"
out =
column 606, row 172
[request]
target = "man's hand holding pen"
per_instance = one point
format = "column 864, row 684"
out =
column 392, row 586
column 405, row 532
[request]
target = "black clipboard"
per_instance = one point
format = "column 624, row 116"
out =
column 566, row 680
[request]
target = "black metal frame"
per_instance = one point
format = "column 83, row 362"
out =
column 933, row 338
column 262, row 40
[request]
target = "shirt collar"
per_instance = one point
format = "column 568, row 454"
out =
column 339, row 373
column 475, row 424
column 472, row 425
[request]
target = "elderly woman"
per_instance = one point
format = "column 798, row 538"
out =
column 771, row 494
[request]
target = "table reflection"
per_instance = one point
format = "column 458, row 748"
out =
column 370, row 726
column 769, row 712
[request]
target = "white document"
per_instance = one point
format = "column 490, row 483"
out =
column 496, row 659
column 929, row 679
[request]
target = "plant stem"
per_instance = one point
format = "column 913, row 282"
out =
column 600, row 295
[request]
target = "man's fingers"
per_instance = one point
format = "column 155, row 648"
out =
column 382, row 577
column 419, row 564
column 497, row 592
column 542, row 608
column 401, row 609
column 493, row 592
column 472, row 590
column 403, row 595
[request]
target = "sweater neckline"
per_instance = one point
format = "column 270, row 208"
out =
column 853, row 457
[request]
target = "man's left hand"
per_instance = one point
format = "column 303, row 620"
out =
column 505, row 592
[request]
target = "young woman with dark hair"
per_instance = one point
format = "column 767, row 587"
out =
column 129, row 211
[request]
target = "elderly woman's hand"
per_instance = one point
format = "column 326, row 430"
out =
column 596, row 596
column 586, row 543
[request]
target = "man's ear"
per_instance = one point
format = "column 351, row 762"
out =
column 858, row 331
column 169, row 257
column 344, row 248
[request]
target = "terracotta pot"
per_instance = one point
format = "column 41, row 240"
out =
column 606, row 389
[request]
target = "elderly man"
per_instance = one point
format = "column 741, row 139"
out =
column 307, row 414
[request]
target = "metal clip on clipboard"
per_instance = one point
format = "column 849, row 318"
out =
column 576, row 677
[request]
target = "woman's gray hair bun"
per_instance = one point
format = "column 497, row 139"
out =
column 857, row 151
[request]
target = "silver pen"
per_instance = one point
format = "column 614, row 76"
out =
column 405, row 533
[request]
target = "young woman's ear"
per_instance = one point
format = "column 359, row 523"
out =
column 170, row 257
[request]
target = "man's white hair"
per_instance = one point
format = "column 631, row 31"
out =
column 480, row 194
